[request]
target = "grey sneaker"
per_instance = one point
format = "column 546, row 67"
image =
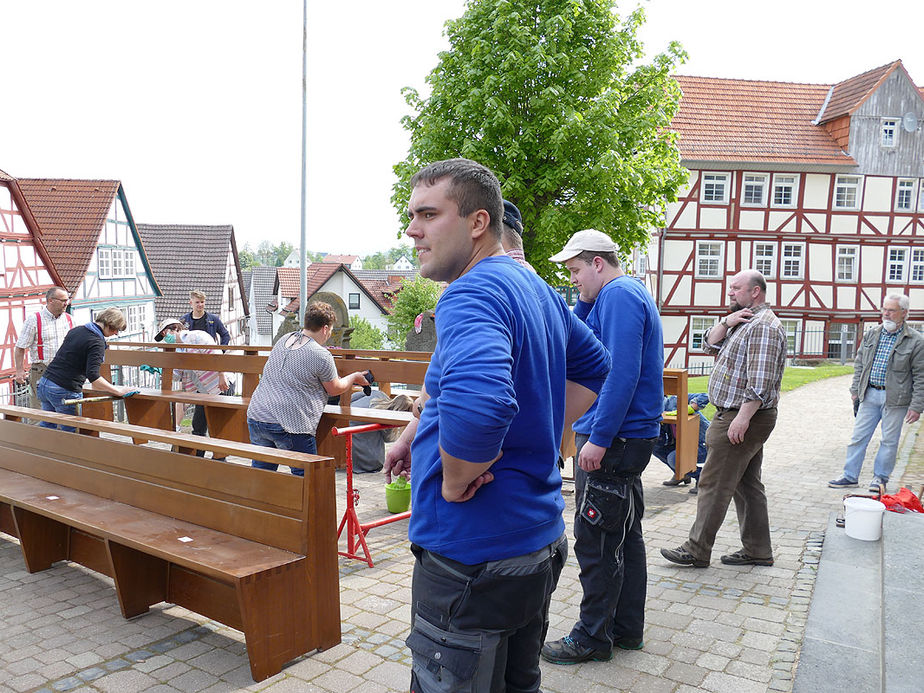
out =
column 843, row 482
column 877, row 485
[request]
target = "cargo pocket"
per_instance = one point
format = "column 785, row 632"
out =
column 605, row 504
column 444, row 662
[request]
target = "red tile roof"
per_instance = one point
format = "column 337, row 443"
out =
column 287, row 283
column 753, row 121
column 849, row 95
column 70, row 216
column 5, row 176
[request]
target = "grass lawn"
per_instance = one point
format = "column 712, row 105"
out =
column 792, row 378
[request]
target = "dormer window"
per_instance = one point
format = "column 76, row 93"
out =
column 715, row 188
column 889, row 132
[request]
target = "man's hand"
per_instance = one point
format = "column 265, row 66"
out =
column 479, row 481
column 912, row 416
column 590, row 457
column 222, row 382
column 737, row 429
column 21, row 377
column 398, row 459
column 738, row 317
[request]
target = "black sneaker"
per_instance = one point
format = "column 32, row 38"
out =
column 843, row 482
column 624, row 642
column 567, row 651
column 741, row 558
column 683, row 557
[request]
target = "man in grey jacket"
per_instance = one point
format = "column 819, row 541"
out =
column 888, row 381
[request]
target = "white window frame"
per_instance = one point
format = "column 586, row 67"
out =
column 921, row 195
column 118, row 263
column 786, row 259
column 916, row 266
column 758, row 260
column 753, row 180
column 908, row 185
column 896, row 267
column 699, row 325
column 851, row 252
column 716, row 176
column 793, row 185
column 128, row 262
column 135, row 318
column 793, row 329
column 350, row 301
column 104, row 263
column 719, row 259
column 888, row 129
column 848, row 184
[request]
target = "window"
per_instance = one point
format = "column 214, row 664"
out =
column 793, row 260
column 896, row 264
column 104, row 263
column 846, row 192
column 917, row 266
column 715, row 187
column 354, row 301
column 135, row 319
column 904, row 195
column 784, row 190
column 889, row 132
column 698, row 327
column 921, row 197
column 791, row 327
column 847, row 256
column 708, row 259
column 765, row 259
column 118, row 268
column 840, row 333
column 230, row 298
column 755, row 188
column 128, row 257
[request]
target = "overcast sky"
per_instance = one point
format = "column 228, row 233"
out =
column 195, row 104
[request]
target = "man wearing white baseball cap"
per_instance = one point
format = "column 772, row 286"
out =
column 614, row 440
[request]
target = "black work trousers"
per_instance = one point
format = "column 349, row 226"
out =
column 608, row 543
column 479, row 628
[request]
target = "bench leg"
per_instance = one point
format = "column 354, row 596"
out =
column 43, row 540
column 140, row 579
column 274, row 610
column 6, row 519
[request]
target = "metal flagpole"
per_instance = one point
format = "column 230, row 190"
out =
column 303, row 254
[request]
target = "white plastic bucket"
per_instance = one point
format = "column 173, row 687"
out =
column 863, row 518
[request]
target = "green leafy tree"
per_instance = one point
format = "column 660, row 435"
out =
column 381, row 260
column 415, row 296
column 551, row 95
column 247, row 257
column 365, row 336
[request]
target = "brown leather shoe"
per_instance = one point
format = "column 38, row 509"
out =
column 741, row 558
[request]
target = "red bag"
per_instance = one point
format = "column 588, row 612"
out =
column 902, row 502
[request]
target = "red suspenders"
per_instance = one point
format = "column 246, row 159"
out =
column 38, row 327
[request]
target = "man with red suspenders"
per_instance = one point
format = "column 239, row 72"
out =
column 42, row 334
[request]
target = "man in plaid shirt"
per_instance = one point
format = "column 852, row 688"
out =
column 745, row 389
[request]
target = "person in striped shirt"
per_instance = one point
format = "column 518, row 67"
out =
column 42, row 335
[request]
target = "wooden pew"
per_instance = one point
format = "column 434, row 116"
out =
column 686, row 425
column 252, row 549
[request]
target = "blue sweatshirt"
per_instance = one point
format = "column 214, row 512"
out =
column 506, row 343
column 624, row 317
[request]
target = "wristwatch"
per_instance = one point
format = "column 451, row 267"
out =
column 724, row 322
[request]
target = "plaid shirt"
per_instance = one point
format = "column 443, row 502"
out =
column 877, row 376
column 53, row 333
column 750, row 362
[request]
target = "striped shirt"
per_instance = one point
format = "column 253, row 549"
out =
column 877, row 376
column 53, row 332
column 750, row 362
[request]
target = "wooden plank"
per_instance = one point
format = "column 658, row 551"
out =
column 89, row 551
column 321, row 549
column 213, row 598
column 43, row 540
column 140, row 579
column 7, row 526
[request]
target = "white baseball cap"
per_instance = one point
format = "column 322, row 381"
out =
column 164, row 324
column 588, row 239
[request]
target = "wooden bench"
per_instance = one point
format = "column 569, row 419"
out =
column 252, row 549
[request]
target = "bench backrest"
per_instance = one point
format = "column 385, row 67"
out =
column 267, row 507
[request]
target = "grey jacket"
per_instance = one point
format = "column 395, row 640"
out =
column 904, row 374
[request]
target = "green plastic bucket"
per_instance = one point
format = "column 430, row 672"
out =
column 398, row 495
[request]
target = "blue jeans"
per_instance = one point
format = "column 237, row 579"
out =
column 608, row 543
column 872, row 410
column 51, row 395
column 271, row 435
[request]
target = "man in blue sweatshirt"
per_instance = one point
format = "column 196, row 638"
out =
column 512, row 364
column 614, row 441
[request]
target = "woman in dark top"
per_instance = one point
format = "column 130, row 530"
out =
column 77, row 361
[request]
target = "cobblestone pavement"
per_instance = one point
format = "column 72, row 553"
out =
column 723, row 629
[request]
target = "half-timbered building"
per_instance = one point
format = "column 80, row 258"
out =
column 91, row 239
column 26, row 273
column 820, row 187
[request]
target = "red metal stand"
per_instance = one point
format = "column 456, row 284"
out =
column 356, row 531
